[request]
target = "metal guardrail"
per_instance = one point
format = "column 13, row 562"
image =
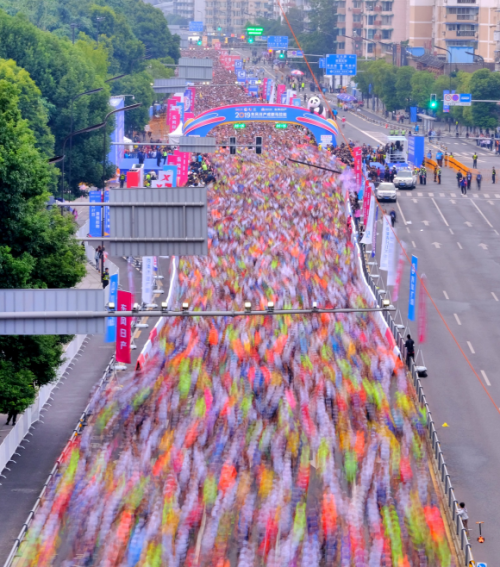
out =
column 456, row 524
column 82, row 422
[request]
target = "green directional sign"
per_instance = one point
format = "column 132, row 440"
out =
column 240, row 126
column 255, row 31
column 281, row 126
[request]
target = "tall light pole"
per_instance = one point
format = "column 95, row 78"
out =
column 73, row 26
column 124, row 109
column 449, row 52
column 98, row 21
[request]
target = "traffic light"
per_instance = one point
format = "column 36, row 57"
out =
column 232, row 146
column 282, row 55
column 219, row 28
column 251, row 40
column 433, row 104
column 258, row 144
column 199, row 42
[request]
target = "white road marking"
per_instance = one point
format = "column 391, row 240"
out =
column 457, row 319
column 487, row 195
column 445, row 294
column 452, row 201
column 414, row 245
column 471, row 348
column 420, row 194
column 481, row 213
column 415, row 201
column 459, row 245
column 367, row 134
column 485, row 377
column 476, row 196
column 494, row 296
column 408, row 194
column 441, row 194
column 442, row 216
column 497, row 196
column 426, row 222
column 431, row 194
column 490, row 202
column 483, row 246
column 468, row 223
column 437, row 245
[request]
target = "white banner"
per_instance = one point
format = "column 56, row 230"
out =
column 147, row 278
column 391, row 273
column 384, row 252
column 370, row 225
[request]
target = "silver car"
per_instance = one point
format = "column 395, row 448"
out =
column 386, row 191
column 405, row 179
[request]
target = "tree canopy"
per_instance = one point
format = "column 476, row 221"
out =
column 37, row 245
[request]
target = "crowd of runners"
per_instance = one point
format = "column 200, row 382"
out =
column 273, row 440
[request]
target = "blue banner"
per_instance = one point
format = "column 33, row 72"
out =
column 322, row 63
column 188, row 100
column 269, row 87
column 95, row 222
column 413, row 288
column 107, row 222
column 374, row 237
column 110, row 334
column 167, row 177
column 241, row 76
column 196, row 26
column 253, row 91
column 180, row 106
column 416, row 150
column 238, row 64
column 413, row 114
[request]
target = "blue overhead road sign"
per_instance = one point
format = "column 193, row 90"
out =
column 196, row 26
column 341, row 64
column 277, row 42
column 322, row 63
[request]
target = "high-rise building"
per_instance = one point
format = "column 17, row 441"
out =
column 192, row 10
column 230, row 16
column 363, row 26
column 463, row 27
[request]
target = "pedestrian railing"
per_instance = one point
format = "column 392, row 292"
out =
column 82, row 422
column 442, row 473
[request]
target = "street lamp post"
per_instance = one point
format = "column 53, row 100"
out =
column 73, row 26
column 98, row 21
column 131, row 107
column 450, row 54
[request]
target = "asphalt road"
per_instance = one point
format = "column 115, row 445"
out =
column 23, row 483
column 456, row 241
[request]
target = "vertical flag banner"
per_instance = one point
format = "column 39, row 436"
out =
column 384, row 252
column 399, row 273
column 370, row 223
column 391, row 272
column 95, row 223
column 147, row 278
column 357, row 154
column 123, row 327
column 413, row 288
column 118, row 133
column 422, row 313
column 107, row 222
column 110, row 336
column 374, row 236
column 367, row 201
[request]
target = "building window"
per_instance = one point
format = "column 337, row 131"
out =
column 340, row 17
column 386, row 6
column 357, row 4
column 370, row 6
column 370, row 33
column 386, row 34
column 466, row 1
column 370, row 20
column 370, row 48
column 341, row 45
column 386, row 20
column 357, row 18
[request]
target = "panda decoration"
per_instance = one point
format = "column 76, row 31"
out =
column 314, row 103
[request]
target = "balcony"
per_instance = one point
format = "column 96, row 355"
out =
column 377, row 9
column 455, row 34
column 377, row 23
column 357, row 25
column 466, row 33
column 357, row 11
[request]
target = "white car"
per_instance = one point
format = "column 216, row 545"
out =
column 405, row 179
column 386, row 191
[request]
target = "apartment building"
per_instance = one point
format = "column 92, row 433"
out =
column 362, row 24
column 192, row 10
column 460, row 26
column 230, row 16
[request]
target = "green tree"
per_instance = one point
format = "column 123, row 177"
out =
column 139, row 85
column 403, row 86
column 485, row 85
column 37, row 248
column 422, row 84
column 157, row 69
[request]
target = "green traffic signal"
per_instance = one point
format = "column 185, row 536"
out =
column 433, row 104
column 281, row 55
column 199, row 42
column 251, row 40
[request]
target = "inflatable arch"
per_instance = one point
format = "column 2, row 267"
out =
column 325, row 131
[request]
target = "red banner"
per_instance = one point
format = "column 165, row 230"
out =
column 123, row 328
column 181, row 160
column 422, row 313
column 399, row 274
column 174, row 119
column 367, row 195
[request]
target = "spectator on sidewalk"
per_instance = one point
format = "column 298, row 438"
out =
column 105, row 279
column 462, row 512
column 97, row 257
column 410, row 349
column 12, row 415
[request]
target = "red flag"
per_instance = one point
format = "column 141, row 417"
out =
column 399, row 273
column 358, row 158
column 123, row 328
column 422, row 313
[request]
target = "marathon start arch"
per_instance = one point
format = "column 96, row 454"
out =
column 325, row 131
